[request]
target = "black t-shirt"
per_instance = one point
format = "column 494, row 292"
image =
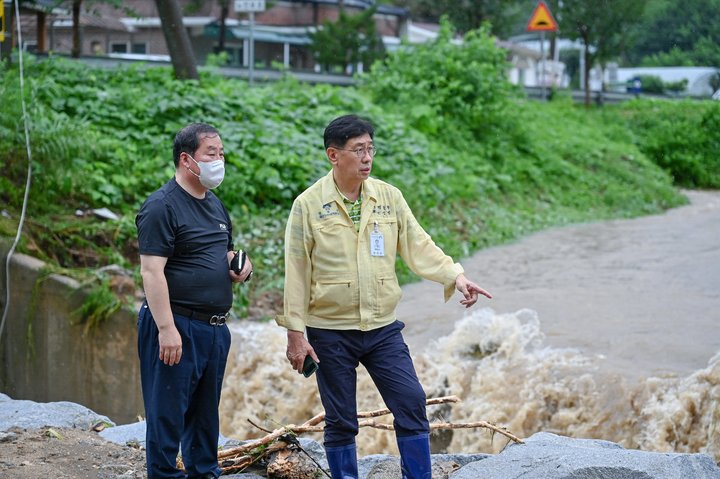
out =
column 195, row 236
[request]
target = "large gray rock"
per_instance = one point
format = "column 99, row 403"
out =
column 548, row 456
column 134, row 434
column 385, row 466
column 543, row 456
column 33, row 415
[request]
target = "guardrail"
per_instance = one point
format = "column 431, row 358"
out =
column 601, row 98
column 259, row 74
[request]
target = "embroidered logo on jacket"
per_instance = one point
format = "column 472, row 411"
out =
column 328, row 209
column 223, row 227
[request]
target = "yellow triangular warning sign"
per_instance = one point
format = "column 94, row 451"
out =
column 542, row 20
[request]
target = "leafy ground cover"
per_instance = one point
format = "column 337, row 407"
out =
column 479, row 163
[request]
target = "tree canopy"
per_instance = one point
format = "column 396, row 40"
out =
column 504, row 15
column 673, row 33
column 350, row 40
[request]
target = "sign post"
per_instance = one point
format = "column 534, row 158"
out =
column 542, row 21
column 250, row 7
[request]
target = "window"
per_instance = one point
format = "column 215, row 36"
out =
column 118, row 48
column 30, row 46
column 140, row 48
column 235, row 55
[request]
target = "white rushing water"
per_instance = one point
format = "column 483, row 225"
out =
column 607, row 330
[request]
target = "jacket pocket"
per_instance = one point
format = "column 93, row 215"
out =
column 334, row 297
column 333, row 239
column 387, row 293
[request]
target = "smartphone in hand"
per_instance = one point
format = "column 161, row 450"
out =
column 238, row 261
column 309, row 366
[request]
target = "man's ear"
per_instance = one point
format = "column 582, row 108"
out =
column 332, row 155
column 185, row 159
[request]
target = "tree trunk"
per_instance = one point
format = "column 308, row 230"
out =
column 41, row 32
column 224, row 11
column 177, row 39
column 76, row 41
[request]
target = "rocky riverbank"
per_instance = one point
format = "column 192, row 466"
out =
column 64, row 440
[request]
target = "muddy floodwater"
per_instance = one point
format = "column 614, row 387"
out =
column 641, row 295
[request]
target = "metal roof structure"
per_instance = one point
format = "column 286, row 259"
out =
column 362, row 4
column 264, row 33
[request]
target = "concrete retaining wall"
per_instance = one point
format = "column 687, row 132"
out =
column 45, row 357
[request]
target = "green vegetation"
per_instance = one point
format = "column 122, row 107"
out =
column 101, row 303
column 479, row 164
column 682, row 137
column 349, row 40
column 654, row 84
column 672, row 33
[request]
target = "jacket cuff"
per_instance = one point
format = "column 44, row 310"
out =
column 455, row 271
column 293, row 324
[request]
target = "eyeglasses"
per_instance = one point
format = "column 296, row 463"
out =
column 360, row 152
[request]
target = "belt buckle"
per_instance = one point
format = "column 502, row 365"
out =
column 218, row 319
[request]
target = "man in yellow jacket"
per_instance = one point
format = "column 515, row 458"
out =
column 341, row 240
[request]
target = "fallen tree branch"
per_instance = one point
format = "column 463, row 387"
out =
column 237, row 464
column 239, row 450
column 242, row 456
column 311, row 425
column 472, row 425
column 440, row 425
column 429, row 402
column 259, row 427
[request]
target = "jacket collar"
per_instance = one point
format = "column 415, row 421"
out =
column 330, row 192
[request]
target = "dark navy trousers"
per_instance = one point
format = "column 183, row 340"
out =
column 181, row 401
column 386, row 357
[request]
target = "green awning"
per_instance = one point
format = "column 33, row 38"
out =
column 259, row 35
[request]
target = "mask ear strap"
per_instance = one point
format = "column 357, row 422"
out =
column 187, row 167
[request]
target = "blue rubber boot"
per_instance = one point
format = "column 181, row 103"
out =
column 415, row 456
column 342, row 461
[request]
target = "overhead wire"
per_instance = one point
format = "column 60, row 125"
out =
column 23, row 212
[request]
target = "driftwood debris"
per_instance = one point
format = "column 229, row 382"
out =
column 239, row 458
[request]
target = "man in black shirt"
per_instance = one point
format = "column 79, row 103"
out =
column 185, row 242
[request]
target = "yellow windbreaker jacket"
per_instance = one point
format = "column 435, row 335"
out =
column 331, row 279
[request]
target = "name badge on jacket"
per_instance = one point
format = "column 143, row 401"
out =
column 377, row 242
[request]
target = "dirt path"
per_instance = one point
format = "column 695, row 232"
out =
column 642, row 294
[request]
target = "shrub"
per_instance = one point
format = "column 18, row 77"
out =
column 652, row 84
column 682, row 137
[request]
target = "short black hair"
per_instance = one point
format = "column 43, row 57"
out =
column 188, row 139
column 341, row 129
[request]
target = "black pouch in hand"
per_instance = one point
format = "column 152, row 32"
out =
column 238, row 261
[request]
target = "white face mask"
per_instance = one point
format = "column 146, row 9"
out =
column 211, row 172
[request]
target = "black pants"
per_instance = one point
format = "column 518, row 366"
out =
column 181, row 401
column 387, row 359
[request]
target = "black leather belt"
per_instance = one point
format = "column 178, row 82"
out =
column 213, row 319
